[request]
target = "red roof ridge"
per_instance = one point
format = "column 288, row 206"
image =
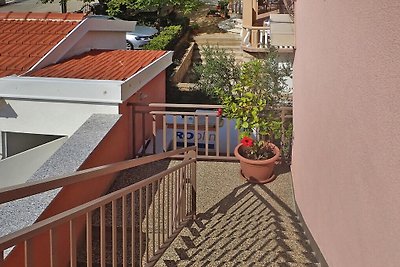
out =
column 48, row 16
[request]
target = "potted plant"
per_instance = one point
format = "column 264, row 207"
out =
column 250, row 96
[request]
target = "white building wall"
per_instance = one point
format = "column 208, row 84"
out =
column 49, row 117
column 98, row 40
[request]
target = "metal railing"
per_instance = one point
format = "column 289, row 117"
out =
column 237, row 6
column 255, row 39
column 183, row 125
column 289, row 4
column 143, row 218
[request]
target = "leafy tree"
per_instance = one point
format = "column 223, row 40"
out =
column 164, row 40
column 249, row 91
column 218, row 71
column 119, row 7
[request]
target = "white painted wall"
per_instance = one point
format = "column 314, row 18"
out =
column 28, row 162
column 71, row 45
column 54, row 106
column 76, row 90
column 98, row 40
column 50, row 117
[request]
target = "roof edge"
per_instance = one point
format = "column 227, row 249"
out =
column 143, row 76
column 69, row 90
column 72, row 38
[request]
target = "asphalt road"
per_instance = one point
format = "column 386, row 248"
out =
column 37, row 6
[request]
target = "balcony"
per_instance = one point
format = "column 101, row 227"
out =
column 256, row 39
column 265, row 25
column 162, row 211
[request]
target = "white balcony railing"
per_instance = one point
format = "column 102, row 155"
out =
column 255, row 39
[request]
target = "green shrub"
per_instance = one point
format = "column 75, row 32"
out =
column 165, row 39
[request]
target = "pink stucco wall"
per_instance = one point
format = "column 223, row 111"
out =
column 346, row 157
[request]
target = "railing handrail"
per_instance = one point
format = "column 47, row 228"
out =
column 256, row 27
column 185, row 105
column 183, row 113
column 37, row 228
column 200, row 106
column 32, row 188
column 177, row 105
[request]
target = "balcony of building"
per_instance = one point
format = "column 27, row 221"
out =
column 170, row 208
column 266, row 24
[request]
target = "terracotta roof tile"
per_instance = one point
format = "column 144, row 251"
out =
column 101, row 65
column 26, row 37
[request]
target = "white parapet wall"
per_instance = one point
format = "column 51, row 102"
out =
column 54, row 106
column 28, row 162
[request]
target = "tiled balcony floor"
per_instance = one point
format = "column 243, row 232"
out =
column 241, row 224
column 237, row 224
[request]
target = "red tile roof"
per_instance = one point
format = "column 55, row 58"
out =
column 26, row 37
column 101, row 65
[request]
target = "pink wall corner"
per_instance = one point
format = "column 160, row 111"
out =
column 346, row 153
column 153, row 92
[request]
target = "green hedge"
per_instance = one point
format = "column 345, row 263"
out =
column 166, row 39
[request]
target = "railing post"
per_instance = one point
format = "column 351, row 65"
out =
column 72, row 243
column 53, row 247
column 143, row 115
column 89, row 244
column 154, row 133
column 194, row 191
column 246, row 39
column 133, row 117
column 2, row 258
column 131, row 133
column 283, row 114
column 28, row 253
column 254, row 38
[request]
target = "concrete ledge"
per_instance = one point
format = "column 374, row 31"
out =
column 182, row 69
column 21, row 213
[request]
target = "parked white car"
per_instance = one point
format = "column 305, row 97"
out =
column 140, row 37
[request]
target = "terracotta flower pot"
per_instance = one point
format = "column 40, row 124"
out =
column 258, row 171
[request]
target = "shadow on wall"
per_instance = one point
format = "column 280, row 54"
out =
column 6, row 111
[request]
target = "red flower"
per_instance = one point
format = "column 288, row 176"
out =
column 247, row 141
column 219, row 112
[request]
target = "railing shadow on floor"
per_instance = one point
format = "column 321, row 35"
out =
column 249, row 224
